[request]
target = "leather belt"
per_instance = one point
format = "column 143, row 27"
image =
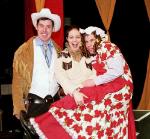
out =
column 35, row 101
column 47, row 99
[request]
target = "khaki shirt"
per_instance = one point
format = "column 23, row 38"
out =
column 70, row 73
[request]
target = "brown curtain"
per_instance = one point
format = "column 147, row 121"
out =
column 147, row 4
column 145, row 99
column 39, row 4
column 106, row 10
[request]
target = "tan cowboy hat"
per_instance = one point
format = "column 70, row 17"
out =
column 45, row 12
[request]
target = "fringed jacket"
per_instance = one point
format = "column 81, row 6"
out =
column 22, row 74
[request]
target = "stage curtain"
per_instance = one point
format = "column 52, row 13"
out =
column 56, row 7
column 29, row 7
column 147, row 4
column 106, row 10
column 145, row 99
column 39, row 4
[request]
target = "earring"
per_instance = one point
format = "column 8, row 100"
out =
column 66, row 45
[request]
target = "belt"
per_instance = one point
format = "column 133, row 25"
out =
column 47, row 99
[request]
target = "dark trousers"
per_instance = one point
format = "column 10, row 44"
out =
column 35, row 106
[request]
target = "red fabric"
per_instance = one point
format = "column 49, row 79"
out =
column 131, row 124
column 51, row 127
column 93, row 93
column 56, row 7
column 29, row 7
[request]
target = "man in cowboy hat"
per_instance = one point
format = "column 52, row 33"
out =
column 34, row 85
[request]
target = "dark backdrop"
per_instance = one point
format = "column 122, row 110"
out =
column 129, row 29
column 12, row 35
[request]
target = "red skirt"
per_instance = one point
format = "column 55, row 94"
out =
column 47, row 126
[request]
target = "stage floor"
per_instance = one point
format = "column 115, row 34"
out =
column 142, row 122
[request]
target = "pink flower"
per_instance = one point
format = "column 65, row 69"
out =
column 77, row 128
column 60, row 114
column 98, row 127
column 118, row 97
column 100, row 133
column 121, row 112
column 81, row 137
column 127, row 96
column 107, row 102
column 89, row 130
column 113, row 124
column 88, row 117
column 68, row 121
column 107, row 117
column 100, row 68
column 117, row 114
column 108, row 46
column 120, row 121
column 116, row 136
column 103, row 56
column 90, row 106
column 109, row 131
column 113, row 52
column 77, row 116
column 64, row 113
column 126, row 68
column 97, row 113
column 82, row 107
column 118, row 105
column 124, row 131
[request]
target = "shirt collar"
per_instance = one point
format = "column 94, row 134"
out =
column 39, row 42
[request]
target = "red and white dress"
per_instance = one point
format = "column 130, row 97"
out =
column 106, row 113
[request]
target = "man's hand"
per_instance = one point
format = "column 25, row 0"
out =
column 88, row 83
column 17, row 116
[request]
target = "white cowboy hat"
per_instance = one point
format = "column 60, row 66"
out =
column 45, row 12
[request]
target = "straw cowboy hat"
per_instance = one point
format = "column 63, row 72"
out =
column 45, row 12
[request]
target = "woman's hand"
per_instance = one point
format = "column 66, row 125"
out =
column 79, row 97
column 88, row 83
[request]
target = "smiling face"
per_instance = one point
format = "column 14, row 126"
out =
column 44, row 29
column 74, row 39
column 89, row 43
